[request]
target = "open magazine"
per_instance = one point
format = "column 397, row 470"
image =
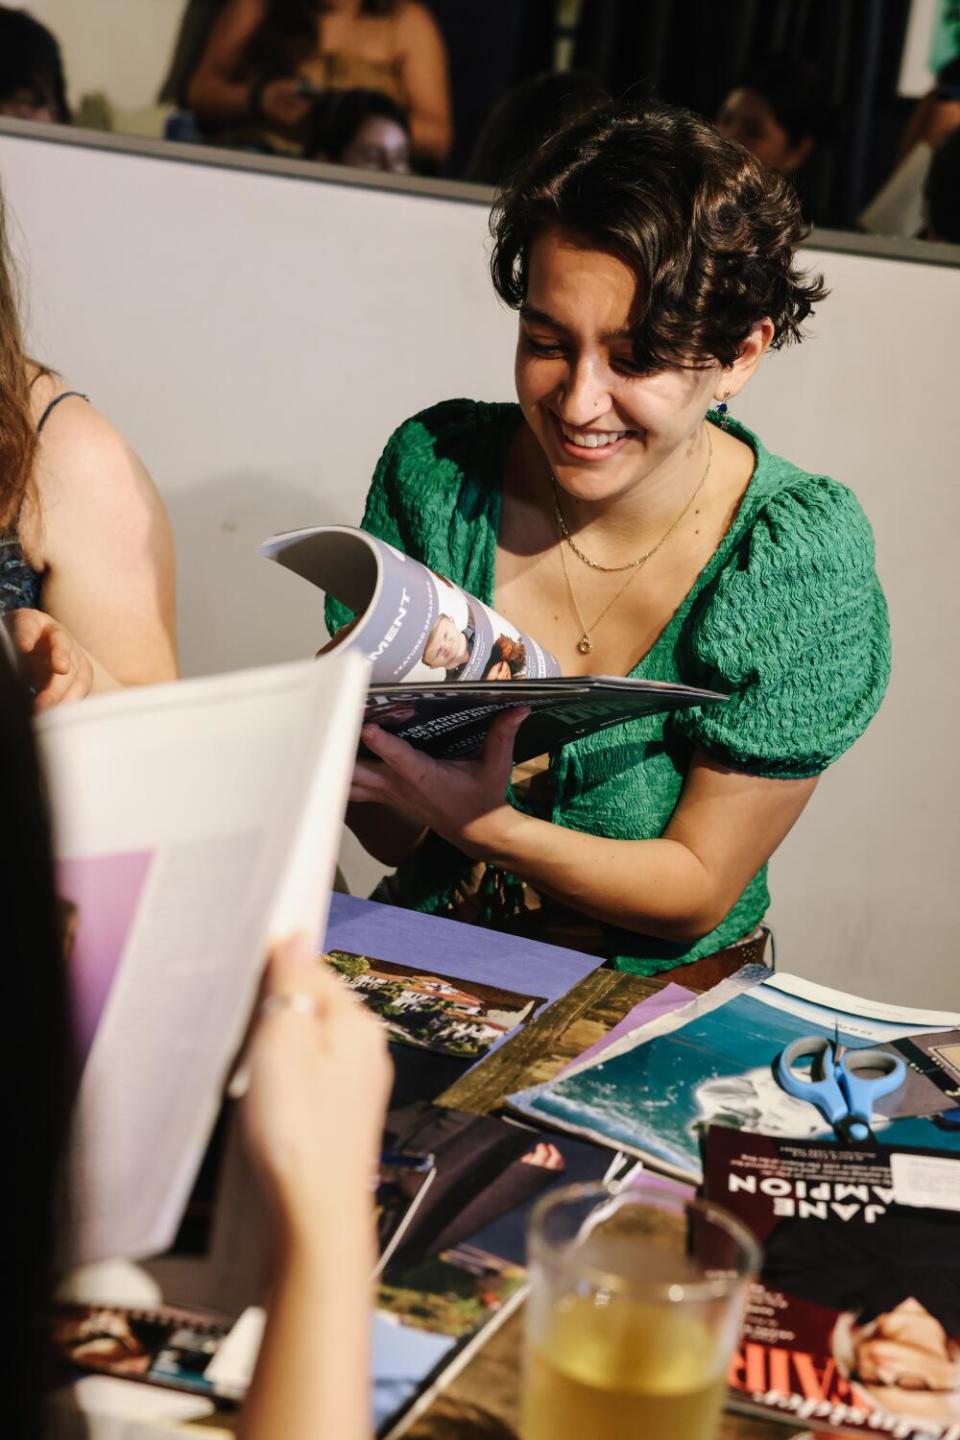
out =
column 193, row 823
column 655, row 1090
column 434, row 650
column 855, row 1322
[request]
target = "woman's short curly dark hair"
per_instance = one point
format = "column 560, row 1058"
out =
column 709, row 233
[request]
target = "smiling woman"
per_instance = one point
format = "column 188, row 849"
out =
column 632, row 532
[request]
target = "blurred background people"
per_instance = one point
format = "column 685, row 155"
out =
column 778, row 110
column 937, row 114
column 942, row 191
column 362, row 128
column 904, row 202
column 267, row 61
column 32, row 85
column 527, row 115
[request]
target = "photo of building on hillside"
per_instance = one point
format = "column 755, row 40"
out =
column 434, row 1012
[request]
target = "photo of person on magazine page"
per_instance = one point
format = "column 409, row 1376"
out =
column 903, row 1360
column 896, row 1282
column 448, row 647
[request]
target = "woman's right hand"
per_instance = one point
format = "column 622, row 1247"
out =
column 283, row 103
column 319, row 1084
column 58, row 670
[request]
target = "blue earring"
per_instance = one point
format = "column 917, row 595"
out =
column 722, row 412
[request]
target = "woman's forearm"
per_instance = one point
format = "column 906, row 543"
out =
column 218, row 99
column 311, row 1378
column 656, row 887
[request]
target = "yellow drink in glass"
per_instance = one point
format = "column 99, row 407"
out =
column 621, row 1369
column 636, row 1299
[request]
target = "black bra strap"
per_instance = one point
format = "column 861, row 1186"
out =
column 67, row 394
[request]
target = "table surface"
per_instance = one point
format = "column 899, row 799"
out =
column 483, row 1401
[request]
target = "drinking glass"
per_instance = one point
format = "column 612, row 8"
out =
column 635, row 1305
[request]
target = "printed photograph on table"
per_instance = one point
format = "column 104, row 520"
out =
column 448, row 1016
column 453, row 1293
column 164, row 1347
column 401, row 1186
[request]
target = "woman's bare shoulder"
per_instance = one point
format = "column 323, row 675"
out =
column 86, row 474
column 413, row 21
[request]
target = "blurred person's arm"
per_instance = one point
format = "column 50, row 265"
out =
column 427, row 80
column 220, row 91
column 313, row 1119
column 934, row 117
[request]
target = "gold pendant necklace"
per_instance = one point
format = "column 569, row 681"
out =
column 585, row 643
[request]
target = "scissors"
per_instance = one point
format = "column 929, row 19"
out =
column 843, row 1084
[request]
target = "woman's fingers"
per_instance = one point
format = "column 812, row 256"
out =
column 498, row 746
column 292, row 964
column 397, row 753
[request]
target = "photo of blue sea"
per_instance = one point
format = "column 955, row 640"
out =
column 653, row 1098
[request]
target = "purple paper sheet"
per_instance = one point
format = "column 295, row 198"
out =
column 447, row 947
column 671, row 997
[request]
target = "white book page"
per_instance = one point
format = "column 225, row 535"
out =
column 197, row 810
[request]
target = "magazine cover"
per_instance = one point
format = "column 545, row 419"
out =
column 412, row 624
column 855, row 1322
column 655, row 1091
column 421, row 632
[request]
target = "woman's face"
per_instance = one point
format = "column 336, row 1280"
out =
column 746, row 118
column 603, row 427
column 379, row 144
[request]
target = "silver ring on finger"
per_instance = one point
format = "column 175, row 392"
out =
column 297, row 1001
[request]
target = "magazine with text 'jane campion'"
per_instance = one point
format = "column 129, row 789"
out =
column 444, row 664
column 854, row 1323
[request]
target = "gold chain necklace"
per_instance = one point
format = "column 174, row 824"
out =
column 585, row 643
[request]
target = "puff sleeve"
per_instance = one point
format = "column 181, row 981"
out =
column 795, row 630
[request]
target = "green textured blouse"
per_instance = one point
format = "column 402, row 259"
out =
column 787, row 618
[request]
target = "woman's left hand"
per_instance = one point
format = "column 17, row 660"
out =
column 462, row 800
column 54, row 665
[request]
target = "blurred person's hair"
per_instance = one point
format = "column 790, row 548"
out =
column 288, row 32
column 30, row 60
column 708, row 232
column 942, row 191
column 525, row 117
column 18, row 436
column 795, row 90
column 337, row 117
column 38, row 1072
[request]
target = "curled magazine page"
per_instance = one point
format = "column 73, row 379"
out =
column 420, row 634
column 413, row 625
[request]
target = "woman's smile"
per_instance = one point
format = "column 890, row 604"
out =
column 591, row 445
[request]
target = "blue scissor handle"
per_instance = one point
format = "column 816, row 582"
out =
column 864, row 1090
column 843, row 1094
column 821, row 1088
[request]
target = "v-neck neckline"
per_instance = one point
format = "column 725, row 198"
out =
column 748, row 504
